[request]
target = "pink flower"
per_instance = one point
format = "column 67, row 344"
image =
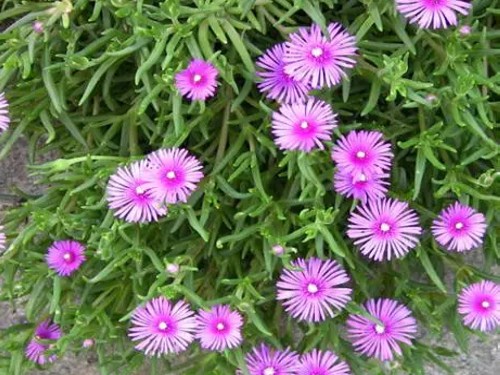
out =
column 465, row 30
column 37, row 27
column 278, row 250
column 434, row 14
column 266, row 361
column 274, row 82
column 219, row 328
column 479, row 303
column 4, row 113
column 459, row 228
column 303, row 126
column 88, row 343
column 313, row 291
column 322, row 363
column 317, row 59
column 128, row 197
column 173, row 175
column 160, row 327
column 362, row 151
column 2, row 239
column 384, row 229
column 172, row 268
column 198, row 81
column 360, row 185
column 65, row 257
column 381, row 340
column 35, row 350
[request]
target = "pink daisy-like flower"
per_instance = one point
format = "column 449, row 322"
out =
column 434, row 14
column 173, row 175
column 318, row 60
column 362, row 151
column 162, row 328
column 266, row 361
column 382, row 340
column 384, row 228
column 2, row 239
column 128, row 197
column 65, row 257
column 459, row 228
column 4, row 113
column 322, row 363
column 274, row 82
column 303, row 126
column 479, row 303
column 198, row 81
column 35, row 350
column 360, row 185
column 219, row 328
column 312, row 292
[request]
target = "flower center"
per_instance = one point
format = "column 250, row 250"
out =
column 171, row 175
column 459, row 225
column 379, row 329
column 384, row 227
column 304, row 124
column 68, row 256
column 317, row 51
column 162, row 326
column 139, row 190
column 359, row 178
column 485, row 304
column 360, row 154
column 268, row 371
column 197, row 78
column 220, row 326
column 312, row 288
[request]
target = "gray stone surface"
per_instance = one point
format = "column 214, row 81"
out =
column 483, row 358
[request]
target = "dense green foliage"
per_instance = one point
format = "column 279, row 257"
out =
column 97, row 87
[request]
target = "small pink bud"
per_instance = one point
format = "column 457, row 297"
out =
column 172, row 268
column 278, row 250
column 431, row 98
column 465, row 30
column 37, row 27
column 87, row 343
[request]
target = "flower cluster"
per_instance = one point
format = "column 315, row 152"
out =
column 140, row 192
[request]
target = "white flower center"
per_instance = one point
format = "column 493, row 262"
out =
column 384, row 227
column 304, row 124
column 171, row 175
column 139, row 190
column 67, row 256
column 459, row 225
column 163, row 326
column 268, row 371
column 197, row 78
column 360, row 154
column 317, row 51
column 379, row 329
column 485, row 304
column 220, row 326
column 312, row 288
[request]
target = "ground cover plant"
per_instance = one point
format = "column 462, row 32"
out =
column 257, row 187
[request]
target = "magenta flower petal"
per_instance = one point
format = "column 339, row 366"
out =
column 313, row 291
column 35, row 350
column 128, row 197
column 433, row 14
column 4, row 113
column 318, row 60
column 362, row 151
column 479, row 303
column 303, row 126
column 65, row 257
column 274, row 82
column 266, row 361
column 198, row 81
column 220, row 328
column 161, row 327
column 3, row 240
column 173, row 175
column 459, row 228
column 317, row 362
column 360, row 185
column 384, row 229
column 383, row 340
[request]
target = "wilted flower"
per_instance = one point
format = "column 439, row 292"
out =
column 65, row 257
column 479, row 303
column 35, row 350
column 87, row 343
column 313, row 291
column 219, row 328
column 433, row 14
column 382, row 340
column 198, row 81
